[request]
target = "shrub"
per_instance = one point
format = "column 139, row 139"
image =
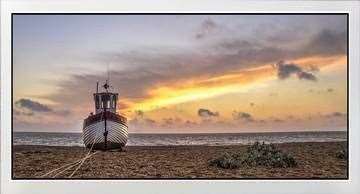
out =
column 342, row 154
column 227, row 161
column 256, row 155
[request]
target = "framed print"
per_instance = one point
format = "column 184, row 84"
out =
column 160, row 98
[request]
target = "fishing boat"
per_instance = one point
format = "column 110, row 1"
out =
column 106, row 129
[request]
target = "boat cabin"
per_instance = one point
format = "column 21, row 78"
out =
column 105, row 101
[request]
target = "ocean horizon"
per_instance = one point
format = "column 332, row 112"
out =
column 173, row 139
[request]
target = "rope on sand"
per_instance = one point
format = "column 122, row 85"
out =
column 57, row 169
column 66, row 166
column 86, row 157
column 72, row 164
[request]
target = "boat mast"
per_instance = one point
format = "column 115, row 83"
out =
column 106, row 132
column 106, row 86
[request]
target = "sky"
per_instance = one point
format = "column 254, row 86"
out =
column 182, row 73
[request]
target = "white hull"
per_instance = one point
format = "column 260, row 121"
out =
column 94, row 134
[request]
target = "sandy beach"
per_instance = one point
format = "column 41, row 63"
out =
column 315, row 160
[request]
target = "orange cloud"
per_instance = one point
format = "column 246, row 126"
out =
column 204, row 87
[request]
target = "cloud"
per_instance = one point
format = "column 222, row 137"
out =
column 313, row 68
column 241, row 52
column 327, row 42
column 141, row 120
column 190, row 123
column 261, row 121
column 168, row 121
column 242, row 116
column 291, row 117
column 307, row 76
column 205, row 113
column 139, row 113
column 62, row 112
column 206, row 27
column 321, row 91
column 150, row 121
column 32, row 105
column 338, row 114
column 28, row 107
column 276, row 120
column 334, row 115
column 137, row 73
column 20, row 113
column 285, row 70
column 139, row 117
column 172, row 122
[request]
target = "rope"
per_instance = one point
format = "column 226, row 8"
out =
column 53, row 171
column 86, row 157
column 82, row 162
column 67, row 166
column 65, row 170
column 72, row 164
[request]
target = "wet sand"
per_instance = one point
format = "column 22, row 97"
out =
column 315, row 160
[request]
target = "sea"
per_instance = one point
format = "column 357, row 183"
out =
column 210, row 139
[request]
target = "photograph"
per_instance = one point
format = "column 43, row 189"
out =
column 180, row 96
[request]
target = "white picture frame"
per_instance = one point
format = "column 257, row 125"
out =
column 351, row 186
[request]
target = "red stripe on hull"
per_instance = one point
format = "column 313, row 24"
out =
column 100, row 117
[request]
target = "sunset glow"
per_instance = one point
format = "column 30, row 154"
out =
column 193, row 74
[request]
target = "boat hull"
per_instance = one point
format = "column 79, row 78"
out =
column 94, row 128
